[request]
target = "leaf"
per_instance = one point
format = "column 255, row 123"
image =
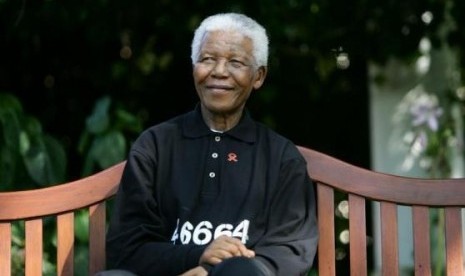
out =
column 88, row 164
column 24, row 142
column 9, row 103
column 44, row 158
column 56, row 160
column 126, row 120
column 31, row 125
column 99, row 120
column 10, row 128
column 81, row 226
column 34, row 159
column 106, row 150
column 7, row 168
column 31, row 148
column 81, row 260
column 17, row 233
column 109, row 149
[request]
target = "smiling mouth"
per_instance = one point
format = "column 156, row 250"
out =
column 219, row 88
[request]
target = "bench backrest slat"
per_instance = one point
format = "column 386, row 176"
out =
column 421, row 240
column 389, row 239
column 65, row 244
column 34, row 247
column 5, row 248
column 327, row 241
column 97, row 220
column 454, row 246
column 357, row 233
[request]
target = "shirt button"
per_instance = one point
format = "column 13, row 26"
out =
column 212, row 175
column 214, row 155
column 217, row 138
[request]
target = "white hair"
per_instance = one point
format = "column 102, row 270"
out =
column 236, row 22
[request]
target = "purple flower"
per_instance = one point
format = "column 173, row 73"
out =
column 425, row 111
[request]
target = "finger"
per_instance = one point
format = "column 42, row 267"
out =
column 249, row 253
column 243, row 250
column 211, row 255
column 235, row 246
column 213, row 260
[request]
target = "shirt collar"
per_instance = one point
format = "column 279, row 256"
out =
column 195, row 127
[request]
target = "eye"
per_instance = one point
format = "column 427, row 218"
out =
column 236, row 63
column 207, row 60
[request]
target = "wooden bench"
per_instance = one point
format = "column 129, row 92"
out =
column 330, row 175
column 61, row 201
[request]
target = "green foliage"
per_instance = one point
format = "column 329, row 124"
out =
column 29, row 157
column 17, row 248
column 103, row 141
column 81, row 250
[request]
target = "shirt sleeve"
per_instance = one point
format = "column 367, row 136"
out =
column 137, row 239
column 289, row 244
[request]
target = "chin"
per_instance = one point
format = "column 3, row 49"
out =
column 218, row 109
column 221, row 107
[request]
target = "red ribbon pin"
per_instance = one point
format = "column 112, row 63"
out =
column 232, row 157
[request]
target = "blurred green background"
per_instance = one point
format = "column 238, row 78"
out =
column 79, row 80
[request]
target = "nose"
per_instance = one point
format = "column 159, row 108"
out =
column 221, row 68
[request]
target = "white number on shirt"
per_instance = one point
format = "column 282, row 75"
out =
column 175, row 234
column 186, row 232
column 241, row 231
column 223, row 229
column 203, row 233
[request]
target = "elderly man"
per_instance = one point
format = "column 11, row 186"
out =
column 212, row 191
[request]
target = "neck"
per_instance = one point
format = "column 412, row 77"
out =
column 219, row 121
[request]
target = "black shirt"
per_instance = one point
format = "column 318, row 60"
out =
column 184, row 185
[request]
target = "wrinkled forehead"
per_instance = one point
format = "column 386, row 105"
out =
column 227, row 39
column 229, row 35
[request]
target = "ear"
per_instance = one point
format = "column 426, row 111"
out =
column 260, row 76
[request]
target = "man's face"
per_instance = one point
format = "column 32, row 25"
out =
column 225, row 72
